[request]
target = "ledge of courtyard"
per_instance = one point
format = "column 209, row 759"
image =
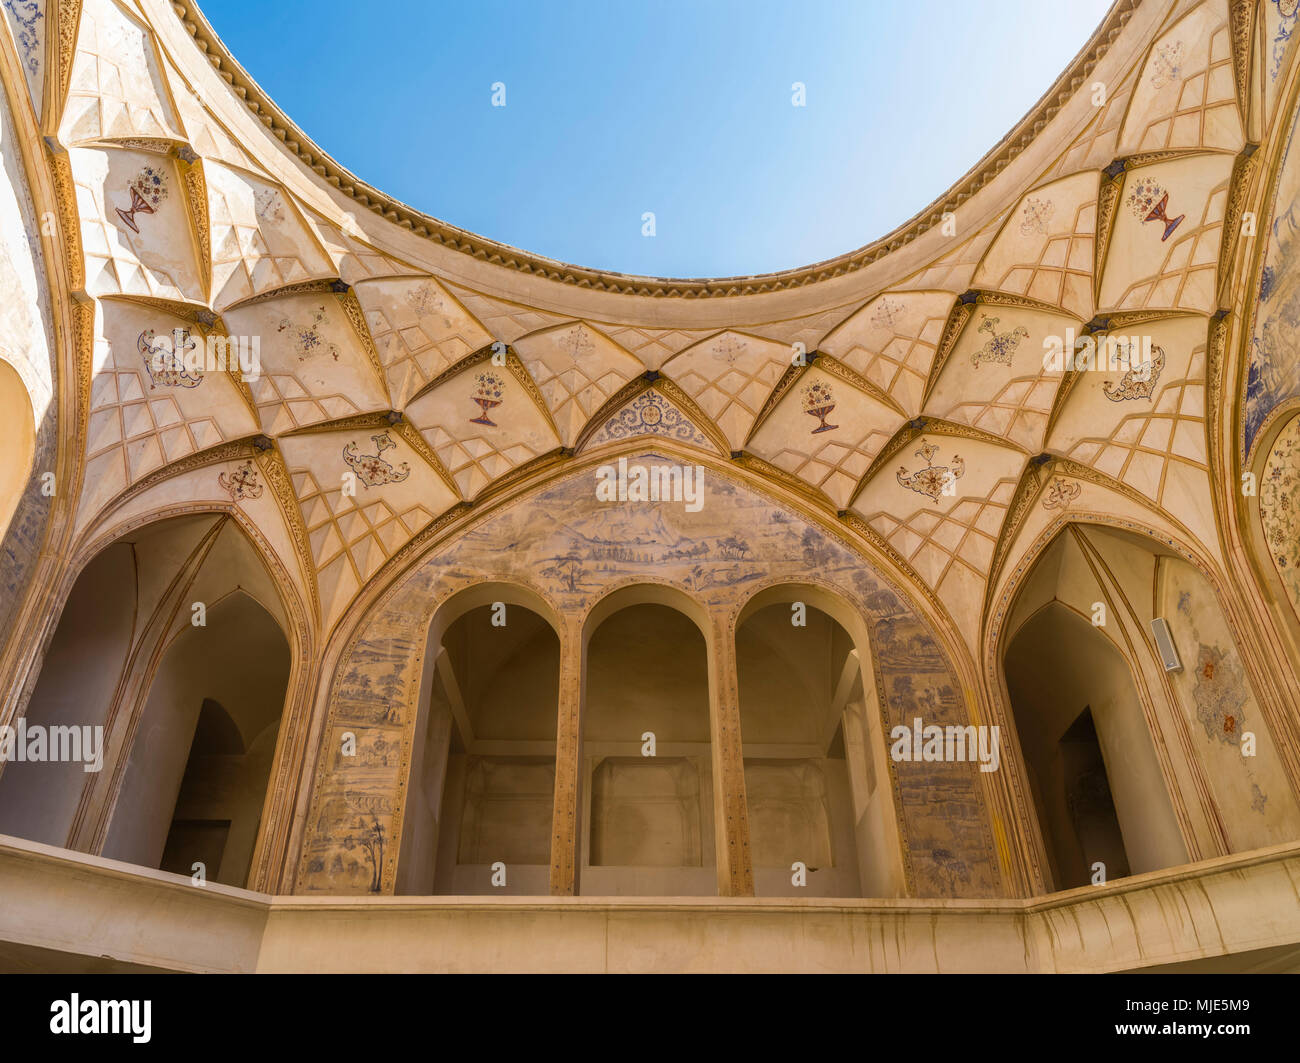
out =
column 66, row 911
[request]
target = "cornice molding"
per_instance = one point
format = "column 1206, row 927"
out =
column 318, row 161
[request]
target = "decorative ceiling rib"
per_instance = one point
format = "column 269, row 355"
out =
column 388, row 392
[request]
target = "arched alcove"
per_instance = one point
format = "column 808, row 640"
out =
column 193, row 787
column 479, row 804
column 84, row 661
column 1089, row 758
column 808, row 686
column 1185, row 748
column 1174, row 730
column 649, row 818
column 163, row 620
column 799, row 676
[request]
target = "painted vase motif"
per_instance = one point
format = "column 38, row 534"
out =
column 1149, row 202
column 148, row 190
column 488, row 396
column 818, row 401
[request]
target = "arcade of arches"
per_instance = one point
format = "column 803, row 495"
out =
column 372, row 594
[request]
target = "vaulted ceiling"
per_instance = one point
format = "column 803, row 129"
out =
column 903, row 386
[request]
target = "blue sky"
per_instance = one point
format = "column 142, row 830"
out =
column 678, row 107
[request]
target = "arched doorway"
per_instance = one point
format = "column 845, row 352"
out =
column 165, row 630
column 1091, row 765
column 482, row 790
column 799, row 677
column 195, row 781
column 648, row 805
column 1165, row 750
column 809, row 697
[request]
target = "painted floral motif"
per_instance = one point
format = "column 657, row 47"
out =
column 1061, row 494
column 1140, row 379
column 309, row 340
column 934, row 480
column 1002, row 345
column 578, row 343
column 167, row 361
column 1279, row 507
column 728, row 349
column 489, row 389
column 1219, row 693
column 886, row 313
column 269, row 205
column 1037, row 216
column 818, row 401
column 424, row 301
column 242, row 483
column 371, row 469
column 1148, row 201
column 1166, row 64
column 148, row 191
column 651, row 414
column 26, row 13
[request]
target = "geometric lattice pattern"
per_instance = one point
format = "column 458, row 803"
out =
column 158, row 258
column 258, row 241
column 577, row 369
column 1186, row 96
column 1045, row 250
column 116, row 89
column 313, row 368
column 952, row 271
column 138, row 424
column 731, row 375
column 653, row 347
column 1156, row 261
column 1150, row 443
column 948, row 538
column 359, row 513
column 826, row 432
column 506, row 321
column 419, row 330
column 354, row 260
column 1027, row 243
column 892, row 341
column 996, row 377
column 477, row 442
